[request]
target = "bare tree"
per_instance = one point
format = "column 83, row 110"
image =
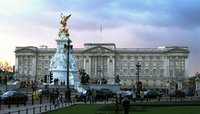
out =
column 5, row 66
column 6, row 71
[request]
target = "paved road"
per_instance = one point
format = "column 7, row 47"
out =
column 33, row 109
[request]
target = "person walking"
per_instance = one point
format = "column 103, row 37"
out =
column 89, row 95
column 52, row 97
column 57, row 94
column 94, row 94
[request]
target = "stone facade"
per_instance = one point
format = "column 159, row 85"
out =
column 162, row 67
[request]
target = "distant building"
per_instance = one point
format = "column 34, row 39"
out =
column 162, row 67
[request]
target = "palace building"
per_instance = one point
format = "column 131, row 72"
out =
column 162, row 67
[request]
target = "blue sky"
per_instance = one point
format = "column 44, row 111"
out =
column 127, row 23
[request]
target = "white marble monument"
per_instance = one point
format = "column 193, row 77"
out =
column 58, row 65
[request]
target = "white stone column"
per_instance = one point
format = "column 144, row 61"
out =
column 34, row 65
column 86, row 64
column 110, row 68
column 197, row 83
column 186, row 68
column 23, row 63
column 166, row 67
column 180, row 85
column 113, row 66
column 89, row 65
column 28, row 62
column 17, row 67
column 95, row 64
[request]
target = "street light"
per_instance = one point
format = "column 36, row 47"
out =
column 138, row 66
column 68, row 47
column 6, row 80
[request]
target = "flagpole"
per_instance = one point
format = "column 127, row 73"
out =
column 101, row 32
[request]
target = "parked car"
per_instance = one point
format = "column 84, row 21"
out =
column 197, row 92
column 102, row 94
column 14, row 97
column 152, row 94
column 128, row 94
column 42, row 92
column 189, row 92
column 80, row 96
column 108, row 93
column 176, row 93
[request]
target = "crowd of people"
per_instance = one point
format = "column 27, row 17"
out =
column 90, row 96
column 56, row 98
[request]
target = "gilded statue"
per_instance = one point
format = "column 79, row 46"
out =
column 64, row 19
column 63, row 22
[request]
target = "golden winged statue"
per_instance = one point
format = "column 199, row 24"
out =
column 63, row 22
column 64, row 19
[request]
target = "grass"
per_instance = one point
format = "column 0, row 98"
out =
column 96, row 109
column 79, row 109
column 172, row 110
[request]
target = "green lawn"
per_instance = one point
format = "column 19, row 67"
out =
column 172, row 110
column 94, row 109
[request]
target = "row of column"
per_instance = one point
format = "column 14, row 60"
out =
column 25, row 66
column 102, row 66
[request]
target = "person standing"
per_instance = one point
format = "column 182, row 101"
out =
column 94, row 94
column 57, row 94
column 68, row 95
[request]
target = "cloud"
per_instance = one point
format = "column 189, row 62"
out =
column 127, row 23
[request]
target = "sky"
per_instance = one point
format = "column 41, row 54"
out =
column 127, row 23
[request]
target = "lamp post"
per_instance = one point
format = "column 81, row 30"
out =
column 68, row 48
column 6, row 80
column 138, row 66
column 16, row 74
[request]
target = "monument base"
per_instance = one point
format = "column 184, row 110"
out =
column 113, row 87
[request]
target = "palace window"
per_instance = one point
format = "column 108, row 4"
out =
column 170, row 63
column 146, row 64
column 117, row 63
column 161, row 72
column 26, row 61
column 154, row 63
column 161, row 64
column 177, row 63
column 125, row 72
column 132, row 72
column 132, row 63
column 154, row 72
column 171, row 72
column 125, row 63
column 147, row 72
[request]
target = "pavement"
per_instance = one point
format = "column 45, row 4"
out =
column 33, row 109
column 40, row 108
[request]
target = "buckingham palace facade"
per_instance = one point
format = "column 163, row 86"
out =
column 160, row 67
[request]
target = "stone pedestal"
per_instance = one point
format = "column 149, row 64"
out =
column 58, row 65
column 113, row 87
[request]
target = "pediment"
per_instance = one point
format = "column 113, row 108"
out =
column 26, row 50
column 99, row 49
column 178, row 50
